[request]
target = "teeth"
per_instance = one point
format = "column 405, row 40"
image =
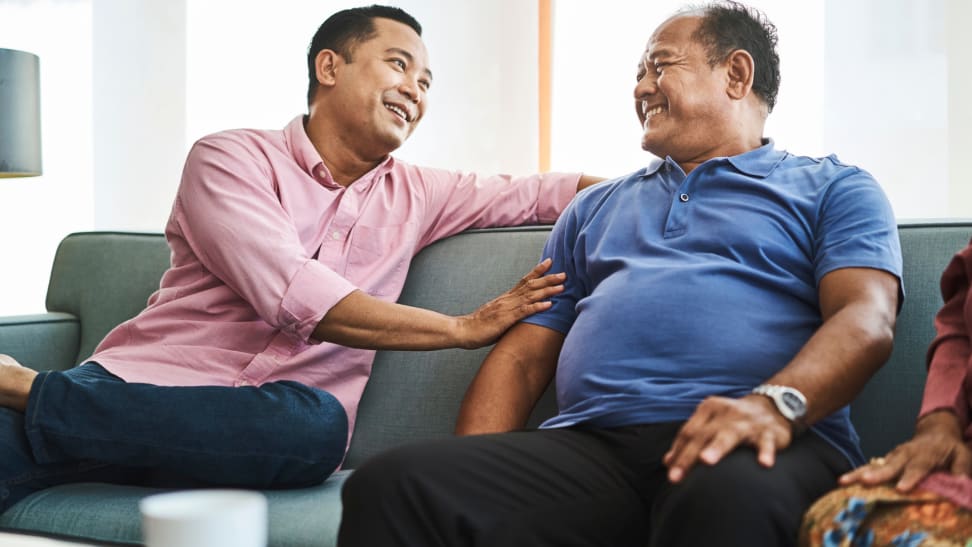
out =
column 397, row 110
column 652, row 112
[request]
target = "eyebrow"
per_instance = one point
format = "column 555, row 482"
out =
column 408, row 56
column 658, row 53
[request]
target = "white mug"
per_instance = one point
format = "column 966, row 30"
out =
column 205, row 518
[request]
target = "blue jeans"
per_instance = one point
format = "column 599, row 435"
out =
column 87, row 424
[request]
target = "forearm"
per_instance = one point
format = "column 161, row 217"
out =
column 858, row 307
column 510, row 381
column 361, row 321
column 588, row 180
column 832, row 368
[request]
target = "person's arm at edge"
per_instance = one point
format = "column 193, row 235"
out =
column 510, row 381
column 362, row 321
column 938, row 442
column 858, row 307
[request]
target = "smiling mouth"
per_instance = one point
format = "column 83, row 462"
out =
column 649, row 113
column 400, row 112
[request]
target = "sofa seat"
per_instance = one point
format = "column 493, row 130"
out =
column 109, row 514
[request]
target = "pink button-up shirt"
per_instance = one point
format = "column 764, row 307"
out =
column 264, row 243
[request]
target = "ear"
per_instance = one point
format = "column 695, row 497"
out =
column 741, row 70
column 326, row 64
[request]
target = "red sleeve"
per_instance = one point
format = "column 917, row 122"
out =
column 949, row 352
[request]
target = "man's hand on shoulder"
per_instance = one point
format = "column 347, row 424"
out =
column 529, row 296
column 720, row 425
column 363, row 321
column 588, row 180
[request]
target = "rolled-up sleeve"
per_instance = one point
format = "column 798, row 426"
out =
column 232, row 220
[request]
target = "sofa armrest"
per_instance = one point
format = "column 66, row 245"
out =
column 47, row 341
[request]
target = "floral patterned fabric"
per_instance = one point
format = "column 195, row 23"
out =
column 859, row 516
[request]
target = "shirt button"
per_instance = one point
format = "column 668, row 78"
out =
column 242, row 383
column 683, row 198
column 335, row 235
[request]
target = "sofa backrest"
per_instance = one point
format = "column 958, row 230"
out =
column 416, row 395
column 884, row 413
column 105, row 278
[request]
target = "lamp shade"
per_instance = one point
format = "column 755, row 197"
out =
column 20, row 135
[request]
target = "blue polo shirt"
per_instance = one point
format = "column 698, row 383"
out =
column 681, row 287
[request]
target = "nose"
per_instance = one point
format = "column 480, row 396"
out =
column 646, row 86
column 412, row 89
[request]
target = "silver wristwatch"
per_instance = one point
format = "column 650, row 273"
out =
column 789, row 401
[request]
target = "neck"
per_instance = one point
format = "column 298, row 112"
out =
column 345, row 163
column 722, row 151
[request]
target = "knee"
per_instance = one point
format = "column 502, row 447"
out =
column 388, row 475
column 737, row 500
column 315, row 424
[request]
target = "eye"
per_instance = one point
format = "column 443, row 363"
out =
column 659, row 67
column 641, row 74
column 425, row 84
column 399, row 63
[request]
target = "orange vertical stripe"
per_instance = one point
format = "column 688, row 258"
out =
column 545, row 66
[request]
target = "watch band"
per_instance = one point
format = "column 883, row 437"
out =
column 789, row 402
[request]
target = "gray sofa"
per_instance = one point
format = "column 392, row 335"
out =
column 101, row 279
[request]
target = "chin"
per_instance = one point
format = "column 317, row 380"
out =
column 648, row 146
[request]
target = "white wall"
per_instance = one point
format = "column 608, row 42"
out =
column 886, row 96
column 884, row 84
column 35, row 213
column 167, row 73
column 139, row 66
column 958, row 13
column 483, row 54
column 596, row 56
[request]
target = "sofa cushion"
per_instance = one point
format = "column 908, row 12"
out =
column 109, row 513
column 105, row 278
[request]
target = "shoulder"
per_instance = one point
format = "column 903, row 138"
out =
column 252, row 142
column 824, row 169
column 604, row 193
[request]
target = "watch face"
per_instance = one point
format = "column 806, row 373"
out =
column 793, row 402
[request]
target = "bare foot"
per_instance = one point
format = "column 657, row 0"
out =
column 15, row 382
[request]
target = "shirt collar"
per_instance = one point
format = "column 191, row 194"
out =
column 759, row 162
column 309, row 160
column 756, row 163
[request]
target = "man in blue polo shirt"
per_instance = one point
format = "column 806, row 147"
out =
column 722, row 307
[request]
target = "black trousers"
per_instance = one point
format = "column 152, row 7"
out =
column 580, row 487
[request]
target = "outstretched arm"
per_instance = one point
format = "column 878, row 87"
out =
column 361, row 321
column 858, row 306
column 510, row 381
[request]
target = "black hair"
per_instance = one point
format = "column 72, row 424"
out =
column 728, row 26
column 344, row 30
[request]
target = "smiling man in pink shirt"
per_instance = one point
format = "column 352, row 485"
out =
column 289, row 249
